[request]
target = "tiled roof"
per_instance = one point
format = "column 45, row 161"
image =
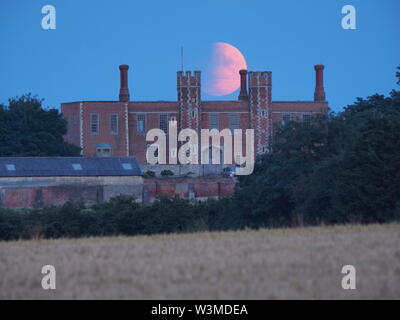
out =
column 68, row 166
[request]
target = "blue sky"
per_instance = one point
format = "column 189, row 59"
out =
column 79, row 60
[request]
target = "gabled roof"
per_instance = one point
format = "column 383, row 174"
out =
column 68, row 166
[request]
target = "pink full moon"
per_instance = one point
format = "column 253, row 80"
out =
column 223, row 72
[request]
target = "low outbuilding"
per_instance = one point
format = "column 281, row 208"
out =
column 45, row 181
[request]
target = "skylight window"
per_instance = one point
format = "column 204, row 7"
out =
column 127, row 166
column 76, row 166
column 10, row 167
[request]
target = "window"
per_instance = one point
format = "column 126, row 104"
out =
column 263, row 113
column 286, row 118
column 72, row 122
column 94, row 123
column 104, row 151
column 114, row 124
column 76, row 166
column 10, row 167
column 213, row 120
column 127, row 166
column 233, row 121
column 164, row 122
column 141, row 123
column 307, row 119
column 194, row 113
column 172, row 122
column 192, row 195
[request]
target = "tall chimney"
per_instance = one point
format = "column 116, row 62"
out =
column 319, row 94
column 124, row 91
column 243, row 85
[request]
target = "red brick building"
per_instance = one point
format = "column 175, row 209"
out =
column 118, row 128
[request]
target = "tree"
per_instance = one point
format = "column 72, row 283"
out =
column 26, row 129
column 266, row 196
column 362, row 182
column 341, row 168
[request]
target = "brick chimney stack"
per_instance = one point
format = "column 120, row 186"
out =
column 124, row 91
column 243, row 85
column 319, row 94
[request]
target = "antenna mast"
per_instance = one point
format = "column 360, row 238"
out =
column 181, row 58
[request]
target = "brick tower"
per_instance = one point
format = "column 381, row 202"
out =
column 189, row 98
column 260, row 103
column 189, row 101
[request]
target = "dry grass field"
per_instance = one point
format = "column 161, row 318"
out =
column 302, row 263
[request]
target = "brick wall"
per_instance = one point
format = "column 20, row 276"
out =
column 199, row 188
column 38, row 192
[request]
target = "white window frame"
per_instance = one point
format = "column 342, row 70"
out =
column 236, row 123
column 97, row 124
column 141, row 132
column 114, row 132
column 213, row 123
column 161, row 120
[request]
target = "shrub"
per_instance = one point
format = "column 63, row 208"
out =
column 167, row 173
column 122, row 215
column 149, row 174
column 188, row 174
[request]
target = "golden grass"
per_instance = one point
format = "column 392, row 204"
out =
column 303, row 263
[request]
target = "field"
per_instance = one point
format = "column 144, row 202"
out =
column 303, row 263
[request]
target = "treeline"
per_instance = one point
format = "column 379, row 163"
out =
column 341, row 168
column 120, row 216
column 27, row 129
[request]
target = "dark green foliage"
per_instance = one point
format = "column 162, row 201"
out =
column 120, row 216
column 188, row 174
column 166, row 173
column 343, row 168
column 12, row 224
column 361, row 182
column 149, row 174
column 26, row 129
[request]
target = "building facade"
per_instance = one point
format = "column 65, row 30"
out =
column 118, row 128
